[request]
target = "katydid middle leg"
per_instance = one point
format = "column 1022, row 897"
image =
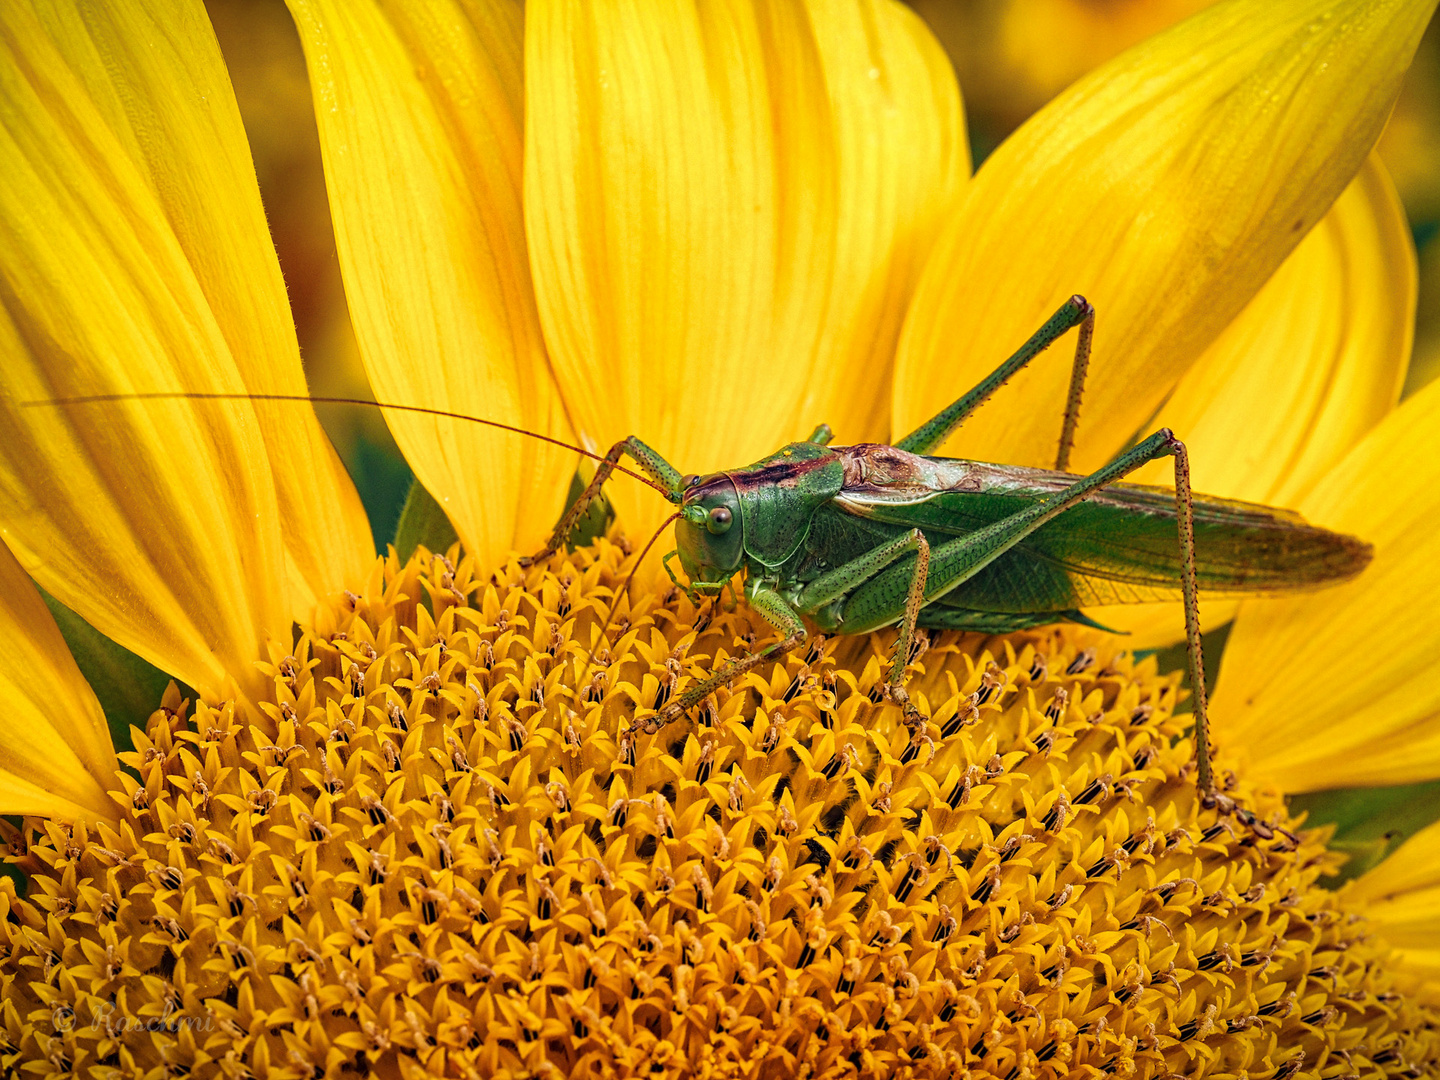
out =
column 845, row 579
column 873, row 603
column 1077, row 311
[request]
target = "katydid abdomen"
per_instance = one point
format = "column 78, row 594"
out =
column 1117, row 547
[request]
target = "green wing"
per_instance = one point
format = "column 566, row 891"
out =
column 1118, row 547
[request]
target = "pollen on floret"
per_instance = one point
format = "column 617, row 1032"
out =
column 443, row 848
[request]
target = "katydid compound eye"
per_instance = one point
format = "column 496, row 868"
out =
column 689, row 480
column 719, row 520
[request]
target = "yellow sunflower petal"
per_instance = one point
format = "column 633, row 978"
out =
column 1303, row 373
column 903, row 153
column 56, row 759
column 1402, row 895
column 1337, row 688
column 1313, row 363
column 155, row 521
column 420, row 109
column 727, row 207
column 1167, row 187
column 681, row 204
column 168, row 102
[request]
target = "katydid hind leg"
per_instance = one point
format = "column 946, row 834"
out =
column 956, row 561
column 1185, row 516
column 821, row 435
column 1079, row 367
column 1076, row 311
column 914, row 601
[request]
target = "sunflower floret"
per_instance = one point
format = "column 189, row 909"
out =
column 444, row 847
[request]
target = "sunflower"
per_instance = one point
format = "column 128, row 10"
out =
column 406, row 824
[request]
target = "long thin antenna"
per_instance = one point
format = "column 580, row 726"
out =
column 174, row 395
column 625, row 588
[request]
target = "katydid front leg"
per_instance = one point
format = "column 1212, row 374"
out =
column 650, row 463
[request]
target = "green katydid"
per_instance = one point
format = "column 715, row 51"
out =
column 856, row 538
column 861, row 537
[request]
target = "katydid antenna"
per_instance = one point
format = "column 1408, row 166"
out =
column 176, row 395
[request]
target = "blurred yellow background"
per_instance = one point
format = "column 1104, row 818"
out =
column 1012, row 56
column 267, row 68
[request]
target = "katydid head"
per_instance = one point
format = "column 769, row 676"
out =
column 709, row 533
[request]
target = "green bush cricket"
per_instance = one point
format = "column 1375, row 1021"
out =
column 856, row 538
column 861, row 537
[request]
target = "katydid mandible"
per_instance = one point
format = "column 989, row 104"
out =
column 861, row 537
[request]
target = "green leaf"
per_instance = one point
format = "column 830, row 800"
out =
column 129, row 688
column 593, row 523
column 383, row 480
column 1175, row 658
column 1370, row 822
column 422, row 522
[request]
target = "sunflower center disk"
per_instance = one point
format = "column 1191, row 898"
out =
column 432, row 854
